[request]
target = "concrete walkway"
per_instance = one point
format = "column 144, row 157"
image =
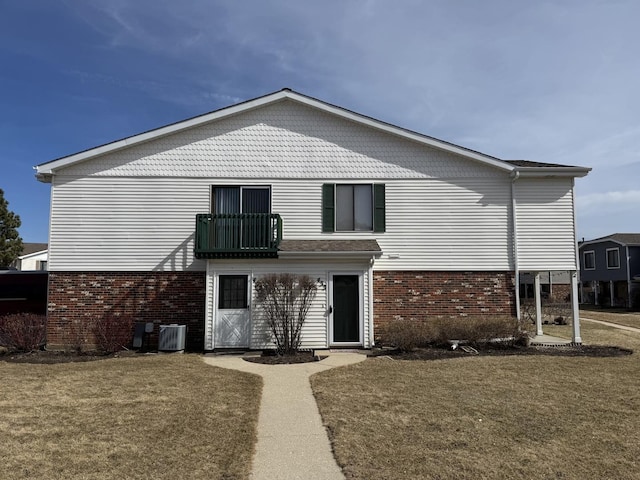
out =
column 292, row 442
column 609, row 324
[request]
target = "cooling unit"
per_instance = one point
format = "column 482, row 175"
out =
column 172, row 337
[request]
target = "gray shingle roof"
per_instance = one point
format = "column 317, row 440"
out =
column 624, row 238
column 329, row 246
column 529, row 163
column 28, row 248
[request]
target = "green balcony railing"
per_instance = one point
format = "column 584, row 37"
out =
column 237, row 235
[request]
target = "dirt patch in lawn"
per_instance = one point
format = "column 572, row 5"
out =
column 560, row 351
column 271, row 358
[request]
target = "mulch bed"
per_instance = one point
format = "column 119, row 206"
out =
column 52, row 357
column 435, row 353
column 271, row 358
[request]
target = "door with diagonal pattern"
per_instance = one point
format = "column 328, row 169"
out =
column 233, row 319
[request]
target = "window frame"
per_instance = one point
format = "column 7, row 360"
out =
column 353, row 191
column 378, row 208
column 212, row 199
column 584, row 259
column 617, row 252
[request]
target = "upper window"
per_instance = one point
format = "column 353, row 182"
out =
column 613, row 258
column 353, row 207
column 254, row 199
column 589, row 260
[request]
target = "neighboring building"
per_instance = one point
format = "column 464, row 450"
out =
column 554, row 286
column 175, row 224
column 34, row 257
column 610, row 270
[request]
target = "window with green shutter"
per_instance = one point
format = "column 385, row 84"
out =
column 353, row 207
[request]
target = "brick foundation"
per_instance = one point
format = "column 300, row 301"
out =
column 417, row 295
column 77, row 300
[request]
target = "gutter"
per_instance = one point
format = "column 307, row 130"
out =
column 515, row 175
column 552, row 171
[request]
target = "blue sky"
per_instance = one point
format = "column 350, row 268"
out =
column 552, row 81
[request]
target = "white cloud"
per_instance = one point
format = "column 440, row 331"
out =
column 628, row 199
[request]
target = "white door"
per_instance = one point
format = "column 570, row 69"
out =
column 233, row 318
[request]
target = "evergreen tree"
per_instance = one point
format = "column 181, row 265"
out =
column 10, row 241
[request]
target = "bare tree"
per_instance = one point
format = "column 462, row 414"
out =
column 285, row 299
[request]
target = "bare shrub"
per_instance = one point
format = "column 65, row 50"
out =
column 285, row 299
column 74, row 336
column 24, row 332
column 477, row 330
column 113, row 332
column 407, row 335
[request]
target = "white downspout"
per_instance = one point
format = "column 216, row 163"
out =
column 370, row 281
column 628, row 279
column 515, row 175
column 575, row 307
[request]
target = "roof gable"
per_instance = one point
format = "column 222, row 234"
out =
column 46, row 170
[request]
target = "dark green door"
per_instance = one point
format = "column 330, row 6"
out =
column 346, row 309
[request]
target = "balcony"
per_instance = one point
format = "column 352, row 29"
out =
column 237, row 235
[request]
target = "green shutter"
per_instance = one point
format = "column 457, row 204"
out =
column 379, row 221
column 328, row 207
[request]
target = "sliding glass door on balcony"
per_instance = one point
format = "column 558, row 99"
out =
column 236, row 226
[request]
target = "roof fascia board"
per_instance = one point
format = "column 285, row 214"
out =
column 553, row 171
column 602, row 240
column 40, row 252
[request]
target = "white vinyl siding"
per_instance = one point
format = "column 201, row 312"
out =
column 545, row 224
column 134, row 209
column 148, row 224
column 284, row 140
column 316, row 328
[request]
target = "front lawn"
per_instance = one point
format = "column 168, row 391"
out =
column 488, row 417
column 619, row 316
column 169, row 416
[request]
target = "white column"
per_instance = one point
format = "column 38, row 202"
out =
column 611, row 292
column 536, row 293
column 575, row 308
column 595, row 291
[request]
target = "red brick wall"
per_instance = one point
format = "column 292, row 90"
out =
column 77, row 300
column 423, row 295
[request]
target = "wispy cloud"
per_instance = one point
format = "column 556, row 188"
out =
column 628, row 199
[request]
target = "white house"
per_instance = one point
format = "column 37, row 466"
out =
column 34, row 257
column 173, row 225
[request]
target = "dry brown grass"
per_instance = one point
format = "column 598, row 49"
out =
column 621, row 317
column 153, row 417
column 488, row 417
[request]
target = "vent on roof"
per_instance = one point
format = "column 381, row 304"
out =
column 172, row 337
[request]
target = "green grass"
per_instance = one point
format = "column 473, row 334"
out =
column 152, row 417
column 488, row 417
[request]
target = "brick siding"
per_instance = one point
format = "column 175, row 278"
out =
column 399, row 295
column 77, row 300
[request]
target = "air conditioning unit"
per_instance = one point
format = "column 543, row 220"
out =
column 172, row 337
